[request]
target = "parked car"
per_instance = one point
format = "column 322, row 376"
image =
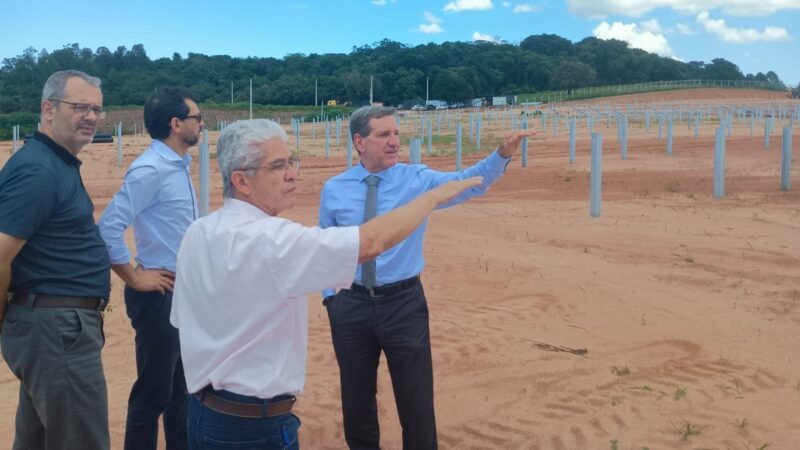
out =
column 417, row 108
column 441, row 107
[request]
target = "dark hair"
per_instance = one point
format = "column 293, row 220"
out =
column 162, row 106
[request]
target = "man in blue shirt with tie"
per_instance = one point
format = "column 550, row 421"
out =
column 385, row 309
column 157, row 197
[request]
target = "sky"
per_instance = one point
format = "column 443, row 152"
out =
column 756, row 35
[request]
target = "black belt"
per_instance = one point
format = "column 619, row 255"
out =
column 255, row 408
column 386, row 289
column 31, row 300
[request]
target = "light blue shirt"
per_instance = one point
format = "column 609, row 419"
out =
column 343, row 197
column 158, row 198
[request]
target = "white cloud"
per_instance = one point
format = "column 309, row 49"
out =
column 636, row 36
column 651, row 26
column 506, row 4
column 525, row 8
column 636, row 8
column 432, row 24
column 383, row 2
column 684, row 29
column 468, row 5
column 478, row 36
column 740, row 35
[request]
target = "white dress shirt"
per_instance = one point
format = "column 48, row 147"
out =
column 239, row 301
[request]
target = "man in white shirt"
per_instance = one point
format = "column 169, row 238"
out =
column 242, row 276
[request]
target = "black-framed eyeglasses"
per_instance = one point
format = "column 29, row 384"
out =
column 82, row 108
column 282, row 165
column 198, row 117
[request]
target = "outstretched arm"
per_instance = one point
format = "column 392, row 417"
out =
column 386, row 231
column 511, row 142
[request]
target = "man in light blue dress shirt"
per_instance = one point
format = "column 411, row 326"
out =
column 388, row 311
column 157, row 197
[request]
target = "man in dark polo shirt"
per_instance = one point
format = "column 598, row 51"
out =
column 55, row 269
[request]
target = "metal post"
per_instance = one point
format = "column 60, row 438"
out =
column 623, row 127
column 525, row 143
column 349, row 150
column 458, row 146
column 430, row 135
column 669, row 135
column 595, row 178
column 572, row 127
column 327, row 139
column 719, row 163
column 205, row 158
column 786, row 158
column 478, row 133
column 119, row 144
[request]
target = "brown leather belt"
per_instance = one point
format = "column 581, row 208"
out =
column 31, row 300
column 266, row 408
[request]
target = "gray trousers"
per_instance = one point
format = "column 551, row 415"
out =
column 55, row 353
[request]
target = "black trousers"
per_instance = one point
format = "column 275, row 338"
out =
column 397, row 324
column 160, row 387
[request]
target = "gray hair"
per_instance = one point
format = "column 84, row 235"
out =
column 359, row 120
column 237, row 147
column 55, row 85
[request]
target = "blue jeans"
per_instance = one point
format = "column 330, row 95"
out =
column 210, row 430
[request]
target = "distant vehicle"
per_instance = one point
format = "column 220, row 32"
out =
column 456, row 105
column 417, row 108
column 441, row 107
column 430, row 107
column 335, row 102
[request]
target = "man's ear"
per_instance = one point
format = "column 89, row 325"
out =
column 358, row 142
column 240, row 182
column 48, row 109
column 175, row 125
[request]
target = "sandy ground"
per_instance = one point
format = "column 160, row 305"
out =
column 671, row 321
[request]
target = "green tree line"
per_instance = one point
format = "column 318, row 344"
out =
column 454, row 71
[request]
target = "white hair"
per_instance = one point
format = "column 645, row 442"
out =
column 237, row 147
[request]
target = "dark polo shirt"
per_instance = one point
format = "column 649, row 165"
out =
column 43, row 201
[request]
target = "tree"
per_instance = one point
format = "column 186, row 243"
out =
column 548, row 45
column 571, row 75
column 722, row 69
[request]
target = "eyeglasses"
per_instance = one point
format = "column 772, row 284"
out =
column 198, row 117
column 83, row 108
column 282, row 165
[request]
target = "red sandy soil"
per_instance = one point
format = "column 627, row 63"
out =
column 687, row 306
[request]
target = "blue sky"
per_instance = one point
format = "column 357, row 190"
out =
column 756, row 35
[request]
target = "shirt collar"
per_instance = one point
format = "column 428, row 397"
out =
column 244, row 207
column 361, row 173
column 163, row 150
column 60, row 151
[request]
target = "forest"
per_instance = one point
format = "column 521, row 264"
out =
column 453, row 71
